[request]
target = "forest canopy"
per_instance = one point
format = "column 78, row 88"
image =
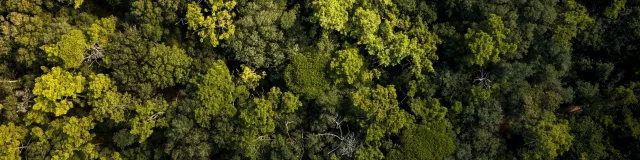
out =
column 319, row 79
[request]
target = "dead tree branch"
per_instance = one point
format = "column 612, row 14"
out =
column 94, row 53
column 25, row 96
column 348, row 143
column 482, row 79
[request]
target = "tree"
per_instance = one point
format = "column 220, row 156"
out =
column 380, row 108
column 614, row 10
column 589, row 139
column 100, row 31
column 306, row 75
column 368, row 23
column 167, row 65
column 477, row 124
column 549, row 138
column 425, row 142
column 142, row 67
column 250, row 79
column 261, row 37
column 106, row 101
column 333, row 14
column 487, row 41
column 260, row 119
column 217, row 26
column 575, row 19
column 66, row 138
column 263, row 115
column 381, row 117
column 186, row 140
column 150, row 114
column 99, row 34
column 428, row 110
column 56, row 90
column 29, row 32
column 383, row 31
column 537, row 99
column 218, row 96
column 76, row 3
column 11, row 137
column 216, row 92
column 422, row 48
column 34, row 7
column 348, row 67
column 150, row 17
column 627, row 94
column 70, row 49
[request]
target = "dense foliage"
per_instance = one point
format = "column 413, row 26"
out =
column 319, row 79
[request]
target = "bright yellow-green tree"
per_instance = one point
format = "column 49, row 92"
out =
column 56, row 90
column 149, row 115
column 348, row 67
column 216, row 26
column 382, row 32
column 259, row 121
column 215, row 91
column 549, row 138
column 70, row 49
column 613, row 10
column 570, row 23
column 487, row 41
column 306, row 75
column 10, row 138
column 333, row 14
column 105, row 100
column 381, row 117
column 101, row 30
column 65, row 138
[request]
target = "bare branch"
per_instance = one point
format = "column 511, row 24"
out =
column 338, row 121
column 348, row 144
column 286, row 124
column 25, row 96
column 155, row 116
column 263, row 138
column 330, row 134
column 482, row 79
column 23, row 147
column 94, row 53
column 182, row 21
